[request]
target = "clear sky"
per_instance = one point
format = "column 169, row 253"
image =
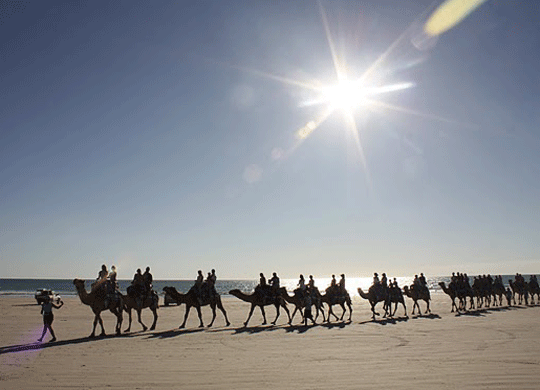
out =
column 166, row 133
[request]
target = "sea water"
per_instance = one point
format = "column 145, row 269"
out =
column 66, row 287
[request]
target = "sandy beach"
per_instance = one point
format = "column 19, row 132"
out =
column 487, row 349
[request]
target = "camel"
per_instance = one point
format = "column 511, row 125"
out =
column 99, row 302
column 257, row 299
column 498, row 291
column 337, row 299
column 300, row 303
column 451, row 293
column 191, row 300
column 151, row 302
column 520, row 291
column 374, row 297
column 395, row 296
column 417, row 294
column 461, row 295
column 533, row 289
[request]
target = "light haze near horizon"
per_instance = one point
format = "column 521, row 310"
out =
column 143, row 133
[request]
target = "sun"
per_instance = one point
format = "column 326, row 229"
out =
column 345, row 95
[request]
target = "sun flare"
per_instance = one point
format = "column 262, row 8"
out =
column 346, row 95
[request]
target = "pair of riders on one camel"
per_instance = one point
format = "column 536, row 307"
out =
column 337, row 289
column 141, row 285
column 420, row 283
column 382, row 286
column 205, row 289
column 268, row 290
column 106, row 284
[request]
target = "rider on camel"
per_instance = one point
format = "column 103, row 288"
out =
column 341, row 285
column 138, row 285
column 274, row 283
column 384, row 280
column 301, row 286
column 148, row 279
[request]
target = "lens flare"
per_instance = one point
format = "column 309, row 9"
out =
column 448, row 14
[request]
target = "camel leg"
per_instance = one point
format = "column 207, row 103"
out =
column 213, row 306
column 119, row 319
column 188, row 308
column 96, row 320
column 264, row 314
column 154, row 312
column 199, row 313
column 428, row 310
column 385, row 307
column 250, row 313
column 128, row 329
column 294, row 313
column 330, row 311
column 343, row 312
column 100, row 321
column 321, row 307
column 220, row 307
column 349, row 305
column 283, row 304
column 277, row 314
column 140, row 319
column 417, row 306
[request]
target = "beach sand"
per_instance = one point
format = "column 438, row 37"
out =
column 488, row 349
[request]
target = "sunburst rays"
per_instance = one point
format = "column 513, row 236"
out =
column 354, row 95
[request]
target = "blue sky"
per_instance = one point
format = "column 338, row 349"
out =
column 163, row 133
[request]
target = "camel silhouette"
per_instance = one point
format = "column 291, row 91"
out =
column 191, row 299
column 258, row 299
column 151, row 302
column 417, row 294
column 98, row 302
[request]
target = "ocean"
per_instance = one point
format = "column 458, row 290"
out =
column 23, row 287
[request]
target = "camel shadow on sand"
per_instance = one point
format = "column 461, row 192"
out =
column 429, row 316
column 174, row 333
column 385, row 321
column 301, row 328
column 488, row 310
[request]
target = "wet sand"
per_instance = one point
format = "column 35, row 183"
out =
column 498, row 348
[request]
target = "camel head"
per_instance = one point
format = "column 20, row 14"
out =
column 79, row 283
column 235, row 292
column 169, row 290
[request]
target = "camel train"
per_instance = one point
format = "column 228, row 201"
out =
column 484, row 292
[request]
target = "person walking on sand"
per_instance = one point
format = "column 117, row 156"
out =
column 48, row 317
